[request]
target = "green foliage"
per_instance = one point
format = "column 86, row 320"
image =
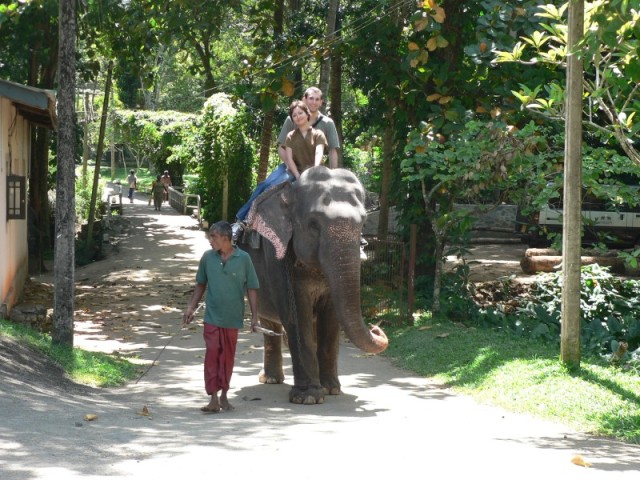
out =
column 469, row 168
column 364, row 162
column 26, row 32
column 612, row 69
column 450, row 54
column 609, row 308
column 225, row 153
column 12, row 10
column 84, row 188
column 606, row 175
column 158, row 139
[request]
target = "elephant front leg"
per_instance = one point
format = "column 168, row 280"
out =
column 328, row 334
column 272, row 371
column 307, row 389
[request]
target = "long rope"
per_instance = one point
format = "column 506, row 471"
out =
column 165, row 346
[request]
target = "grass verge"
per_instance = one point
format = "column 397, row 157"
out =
column 89, row 368
column 522, row 376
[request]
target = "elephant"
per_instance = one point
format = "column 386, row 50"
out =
column 308, row 263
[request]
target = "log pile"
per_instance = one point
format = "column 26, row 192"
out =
column 549, row 260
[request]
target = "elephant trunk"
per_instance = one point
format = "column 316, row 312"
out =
column 344, row 284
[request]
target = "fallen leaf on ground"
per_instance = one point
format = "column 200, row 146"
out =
column 144, row 412
column 442, row 335
column 90, row 417
column 579, row 460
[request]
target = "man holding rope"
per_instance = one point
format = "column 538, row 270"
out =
column 224, row 273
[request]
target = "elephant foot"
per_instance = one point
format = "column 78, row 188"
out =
column 331, row 387
column 308, row 396
column 270, row 379
column 331, row 390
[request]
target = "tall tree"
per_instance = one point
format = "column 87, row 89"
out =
column 100, row 149
column 327, row 51
column 269, row 106
column 63, row 301
column 335, row 89
column 374, row 52
column 195, row 25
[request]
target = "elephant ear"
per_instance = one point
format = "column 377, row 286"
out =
column 269, row 216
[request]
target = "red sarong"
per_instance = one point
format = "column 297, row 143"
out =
column 219, row 357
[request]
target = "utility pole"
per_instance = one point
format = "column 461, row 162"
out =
column 572, row 204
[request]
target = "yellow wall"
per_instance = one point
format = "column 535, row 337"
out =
column 14, row 159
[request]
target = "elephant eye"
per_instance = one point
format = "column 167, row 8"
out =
column 313, row 226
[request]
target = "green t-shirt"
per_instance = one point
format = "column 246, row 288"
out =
column 226, row 286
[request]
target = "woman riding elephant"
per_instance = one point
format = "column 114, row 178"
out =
column 304, row 147
column 309, row 264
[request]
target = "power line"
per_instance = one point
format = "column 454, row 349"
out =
column 333, row 38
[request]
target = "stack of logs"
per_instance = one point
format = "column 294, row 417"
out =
column 549, row 260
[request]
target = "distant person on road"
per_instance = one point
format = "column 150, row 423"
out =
column 158, row 190
column 166, row 181
column 132, row 181
column 225, row 273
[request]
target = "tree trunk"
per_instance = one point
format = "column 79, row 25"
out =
column 96, row 173
column 85, row 142
column 336, row 95
column 265, row 145
column 269, row 116
column 388, row 149
column 571, row 232
column 437, row 276
column 325, row 66
column 385, row 183
column 63, row 300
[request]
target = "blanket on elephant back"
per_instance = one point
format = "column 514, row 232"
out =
column 258, row 223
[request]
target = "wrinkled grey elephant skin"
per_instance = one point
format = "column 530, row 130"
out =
column 308, row 263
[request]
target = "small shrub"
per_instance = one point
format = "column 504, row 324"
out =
column 608, row 305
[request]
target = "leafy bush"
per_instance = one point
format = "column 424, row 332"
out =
column 609, row 307
column 225, row 154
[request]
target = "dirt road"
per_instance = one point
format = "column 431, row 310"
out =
column 388, row 422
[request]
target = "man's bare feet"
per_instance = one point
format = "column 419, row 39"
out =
column 224, row 402
column 213, row 406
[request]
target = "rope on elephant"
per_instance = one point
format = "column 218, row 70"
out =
column 293, row 311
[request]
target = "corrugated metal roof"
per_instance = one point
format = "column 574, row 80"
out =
column 35, row 104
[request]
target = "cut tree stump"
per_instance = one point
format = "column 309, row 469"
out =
column 548, row 260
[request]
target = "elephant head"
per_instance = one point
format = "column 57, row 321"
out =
column 320, row 216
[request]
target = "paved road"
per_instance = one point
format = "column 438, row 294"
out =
column 388, row 423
